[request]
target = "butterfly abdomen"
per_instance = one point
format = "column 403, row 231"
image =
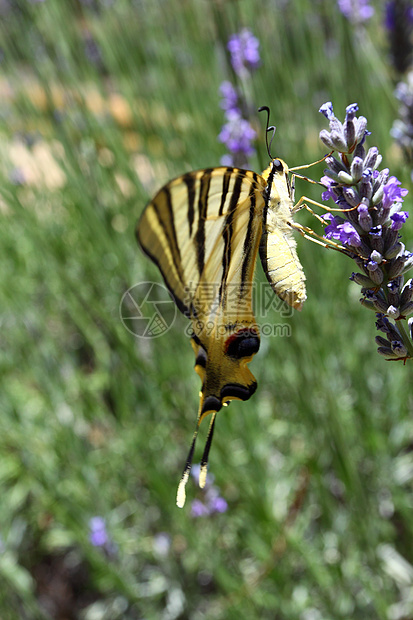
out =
column 282, row 266
column 278, row 248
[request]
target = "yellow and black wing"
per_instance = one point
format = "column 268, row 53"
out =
column 203, row 231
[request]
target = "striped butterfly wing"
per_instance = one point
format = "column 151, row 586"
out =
column 203, row 231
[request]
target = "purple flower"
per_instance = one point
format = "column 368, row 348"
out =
column 218, row 504
column 244, row 51
column 199, row 509
column 329, row 193
column 237, row 134
column 212, row 501
column 398, row 219
column 341, row 230
column 98, row 535
column 368, row 226
column 327, row 110
column 356, row 10
column 227, row 160
column 393, row 193
column 229, row 100
column 391, row 14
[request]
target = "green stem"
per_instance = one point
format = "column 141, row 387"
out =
column 406, row 340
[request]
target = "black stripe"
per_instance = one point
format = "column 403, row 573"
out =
column 225, row 185
column 267, row 191
column 168, row 227
column 236, row 390
column 189, row 180
column 180, row 305
column 227, row 234
column 199, row 238
column 173, row 242
column 248, row 244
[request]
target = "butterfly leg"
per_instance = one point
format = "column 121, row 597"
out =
column 314, row 163
column 309, row 234
column 302, row 204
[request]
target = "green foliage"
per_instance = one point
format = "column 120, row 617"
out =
column 103, row 102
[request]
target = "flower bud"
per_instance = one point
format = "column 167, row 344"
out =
column 378, row 195
column 364, row 218
column 393, row 312
column 351, row 196
column 345, row 177
column 387, row 353
column 407, row 292
column 376, row 257
column 368, row 303
column 380, row 304
column 325, row 137
column 356, row 169
column 406, row 309
column 375, row 274
column 349, row 133
column 371, row 157
column 382, row 341
column 361, row 125
column 396, row 267
column 362, row 280
column 359, row 151
column 338, row 141
column 399, row 348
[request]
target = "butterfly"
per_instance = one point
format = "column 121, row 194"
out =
column 204, row 231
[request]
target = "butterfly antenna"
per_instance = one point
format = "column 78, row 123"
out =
column 204, row 460
column 181, row 495
column 268, row 128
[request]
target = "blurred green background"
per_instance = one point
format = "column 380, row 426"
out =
column 102, row 101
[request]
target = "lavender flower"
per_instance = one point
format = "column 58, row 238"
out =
column 244, row 50
column 356, row 10
column 229, row 101
column 237, row 134
column 368, row 227
column 212, row 501
column 399, row 22
column 98, row 535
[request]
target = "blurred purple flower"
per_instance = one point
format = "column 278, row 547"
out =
column 229, row 95
column 244, row 50
column 212, row 502
column 391, row 14
column 237, row 134
column 227, row 160
column 356, row 10
column 199, row 509
column 97, row 534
